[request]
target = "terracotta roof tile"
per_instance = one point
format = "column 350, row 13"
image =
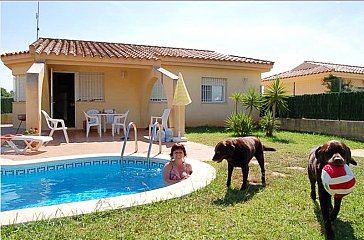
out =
column 311, row 67
column 120, row 50
column 15, row 53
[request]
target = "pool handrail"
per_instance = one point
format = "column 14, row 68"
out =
column 126, row 139
column 154, row 130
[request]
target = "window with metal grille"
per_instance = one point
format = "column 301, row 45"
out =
column 20, row 88
column 213, row 90
column 90, row 86
column 158, row 94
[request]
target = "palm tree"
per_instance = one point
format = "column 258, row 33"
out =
column 275, row 97
column 252, row 99
column 237, row 97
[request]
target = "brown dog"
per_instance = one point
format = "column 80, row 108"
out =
column 238, row 152
column 335, row 153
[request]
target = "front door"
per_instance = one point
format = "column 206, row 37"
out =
column 64, row 97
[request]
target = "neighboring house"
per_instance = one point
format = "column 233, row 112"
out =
column 65, row 77
column 307, row 77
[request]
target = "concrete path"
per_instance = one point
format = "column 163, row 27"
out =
column 357, row 153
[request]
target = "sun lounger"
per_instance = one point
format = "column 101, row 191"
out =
column 31, row 142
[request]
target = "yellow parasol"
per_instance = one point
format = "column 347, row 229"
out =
column 180, row 98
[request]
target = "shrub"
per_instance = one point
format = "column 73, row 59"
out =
column 268, row 123
column 240, row 123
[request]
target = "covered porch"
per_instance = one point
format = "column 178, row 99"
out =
column 54, row 88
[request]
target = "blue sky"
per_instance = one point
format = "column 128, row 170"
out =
column 286, row 32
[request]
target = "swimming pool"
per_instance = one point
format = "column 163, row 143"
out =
column 79, row 179
column 142, row 193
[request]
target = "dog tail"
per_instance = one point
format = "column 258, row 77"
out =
column 265, row 148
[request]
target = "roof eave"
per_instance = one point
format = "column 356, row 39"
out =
column 217, row 64
column 97, row 61
column 10, row 60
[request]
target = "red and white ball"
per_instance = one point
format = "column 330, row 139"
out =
column 338, row 180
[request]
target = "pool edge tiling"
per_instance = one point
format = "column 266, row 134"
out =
column 203, row 174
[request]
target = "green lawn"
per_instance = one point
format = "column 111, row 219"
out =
column 281, row 210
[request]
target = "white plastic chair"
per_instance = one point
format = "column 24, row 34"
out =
column 53, row 125
column 92, row 120
column 108, row 118
column 119, row 121
column 162, row 120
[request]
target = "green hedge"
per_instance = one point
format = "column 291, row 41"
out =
column 6, row 105
column 335, row 106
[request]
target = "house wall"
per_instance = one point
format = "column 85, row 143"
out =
column 312, row 84
column 213, row 114
column 34, row 82
column 19, row 107
column 45, row 105
column 129, row 88
column 121, row 90
column 125, row 89
column 156, row 109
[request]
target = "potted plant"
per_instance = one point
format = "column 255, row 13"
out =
column 33, row 132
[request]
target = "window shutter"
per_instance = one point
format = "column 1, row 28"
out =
column 91, row 86
column 19, row 88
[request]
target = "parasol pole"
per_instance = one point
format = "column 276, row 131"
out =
column 179, row 121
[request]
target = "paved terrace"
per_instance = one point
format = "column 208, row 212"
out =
column 79, row 144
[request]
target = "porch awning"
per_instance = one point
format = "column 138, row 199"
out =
column 167, row 73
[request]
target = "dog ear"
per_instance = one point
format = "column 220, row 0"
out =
column 320, row 155
column 230, row 147
column 318, row 152
column 350, row 159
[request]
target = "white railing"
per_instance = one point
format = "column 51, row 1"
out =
column 151, row 139
column 126, row 139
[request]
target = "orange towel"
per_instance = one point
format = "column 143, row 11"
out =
column 8, row 137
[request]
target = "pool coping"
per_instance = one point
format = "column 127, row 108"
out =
column 202, row 175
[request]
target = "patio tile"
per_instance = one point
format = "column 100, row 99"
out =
column 79, row 144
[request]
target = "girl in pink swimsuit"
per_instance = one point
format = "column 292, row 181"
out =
column 177, row 169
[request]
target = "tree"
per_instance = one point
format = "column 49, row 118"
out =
column 5, row 93
column 251, row 100
column 275, row 97
column 336, row 84
column 237, row 97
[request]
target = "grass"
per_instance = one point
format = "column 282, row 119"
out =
column 281, row 210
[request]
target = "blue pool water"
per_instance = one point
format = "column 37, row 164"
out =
column 74, row 180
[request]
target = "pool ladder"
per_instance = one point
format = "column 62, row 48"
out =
column 154, row 129
column 126, row 139
column 151, row 138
